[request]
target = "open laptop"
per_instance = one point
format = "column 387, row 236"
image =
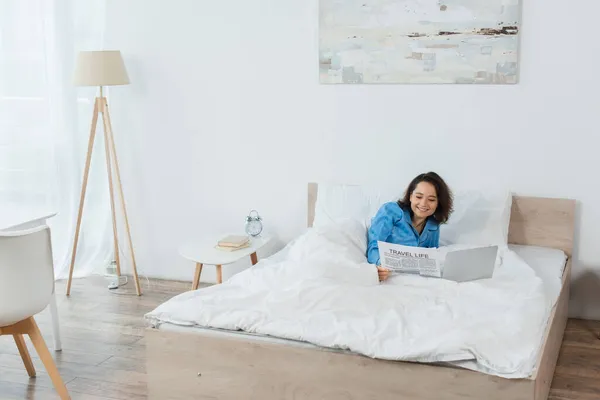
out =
column 470, row 264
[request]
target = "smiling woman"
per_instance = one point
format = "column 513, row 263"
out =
column 413, row 220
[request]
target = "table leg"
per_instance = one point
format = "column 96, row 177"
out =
column 196, row 282
column 55, row 327
column 253, row 258
column 219, row 274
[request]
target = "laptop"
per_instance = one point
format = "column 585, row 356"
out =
column 470, row 264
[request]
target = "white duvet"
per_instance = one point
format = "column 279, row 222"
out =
column 324, row 292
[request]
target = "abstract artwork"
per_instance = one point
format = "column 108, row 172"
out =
column 419, row 41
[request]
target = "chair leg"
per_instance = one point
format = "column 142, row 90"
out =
column 25, row 355
column 40, row 346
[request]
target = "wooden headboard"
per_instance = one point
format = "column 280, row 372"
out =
column 540, row 221
column 534, row 221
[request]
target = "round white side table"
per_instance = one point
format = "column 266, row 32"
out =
column 204, row 251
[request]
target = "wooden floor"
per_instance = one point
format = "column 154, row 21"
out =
column 104, row 351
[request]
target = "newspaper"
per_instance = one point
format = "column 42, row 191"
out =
column 411, row 260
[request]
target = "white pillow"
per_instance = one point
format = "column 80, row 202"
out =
column 338, row 202
column 478, row 219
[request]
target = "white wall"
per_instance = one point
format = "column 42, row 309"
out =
column 225, row 114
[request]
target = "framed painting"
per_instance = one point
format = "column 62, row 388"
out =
column 419, row 41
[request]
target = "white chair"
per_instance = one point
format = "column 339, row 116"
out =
column 26, row 288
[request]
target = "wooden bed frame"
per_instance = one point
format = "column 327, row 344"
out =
column 203, row 366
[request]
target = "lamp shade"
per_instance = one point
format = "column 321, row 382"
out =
column 100, row 68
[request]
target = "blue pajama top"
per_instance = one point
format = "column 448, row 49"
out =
column 392, row 224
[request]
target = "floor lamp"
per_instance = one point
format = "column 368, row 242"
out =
column 102, row 68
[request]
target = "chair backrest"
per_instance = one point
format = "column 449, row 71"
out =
column 26, row 273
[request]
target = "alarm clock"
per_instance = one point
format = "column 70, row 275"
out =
column 253, row 224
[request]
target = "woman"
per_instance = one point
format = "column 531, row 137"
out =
column 413, row 220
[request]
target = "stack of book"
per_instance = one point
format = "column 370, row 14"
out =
column 233, row 242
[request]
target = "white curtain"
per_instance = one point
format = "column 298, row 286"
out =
column 45, row 124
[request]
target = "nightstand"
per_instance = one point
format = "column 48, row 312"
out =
column 204, row 251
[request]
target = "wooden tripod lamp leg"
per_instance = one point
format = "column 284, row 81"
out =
column 110, row 183
column 109, row 135
column 83, row 189
column 101, row 106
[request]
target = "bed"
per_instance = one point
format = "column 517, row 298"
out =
column 186, row 362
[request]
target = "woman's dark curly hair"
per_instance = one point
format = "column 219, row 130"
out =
column 444, row 194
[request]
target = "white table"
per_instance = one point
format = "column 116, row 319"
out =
column 15, row 217
column 203, row 251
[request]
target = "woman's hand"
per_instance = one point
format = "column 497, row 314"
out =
column 384, row 273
